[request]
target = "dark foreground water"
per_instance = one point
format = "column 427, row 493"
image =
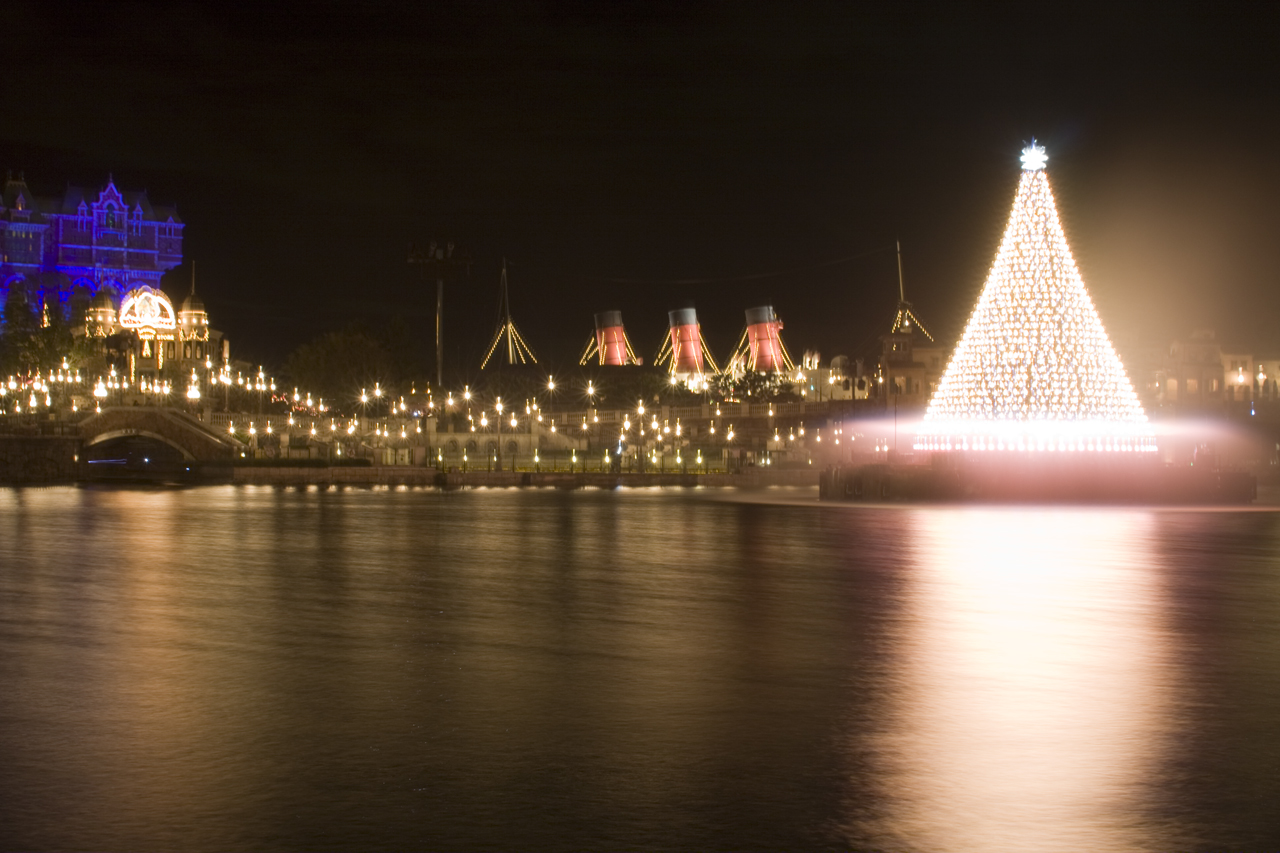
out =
column 256, row 669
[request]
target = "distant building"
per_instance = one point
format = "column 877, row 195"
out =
column 1198, row 374
column 69, row 250
column 98, row 257
column 1239, row 376
column 146, row 339
column 1185, row 376
column 1266, row 375
column 911, row 362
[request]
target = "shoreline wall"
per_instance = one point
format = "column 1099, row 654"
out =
column 39, row 459
column 398, row 475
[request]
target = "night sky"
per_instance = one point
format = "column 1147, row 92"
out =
column 645, row 156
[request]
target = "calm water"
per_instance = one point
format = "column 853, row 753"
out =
column 256, row 669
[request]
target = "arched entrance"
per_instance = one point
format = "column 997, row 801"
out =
column 138, row 456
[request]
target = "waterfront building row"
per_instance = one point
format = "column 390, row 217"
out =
column 1202, row 375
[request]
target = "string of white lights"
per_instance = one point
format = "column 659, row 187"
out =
column 1034, row 369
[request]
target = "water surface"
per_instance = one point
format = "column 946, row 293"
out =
column 262, row 669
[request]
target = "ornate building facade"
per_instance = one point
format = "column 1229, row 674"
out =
column 152, row 341
column 68, row 251
column 97, row 257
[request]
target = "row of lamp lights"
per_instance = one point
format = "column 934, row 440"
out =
column 37, row 389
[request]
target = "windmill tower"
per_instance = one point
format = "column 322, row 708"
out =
column 507, row 336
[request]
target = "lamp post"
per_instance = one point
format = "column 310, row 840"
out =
column 193, row 389
column 498, row 408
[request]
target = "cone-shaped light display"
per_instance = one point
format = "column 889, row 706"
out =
column 1034, row 370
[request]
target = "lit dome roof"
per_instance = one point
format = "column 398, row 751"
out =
column 145, row 307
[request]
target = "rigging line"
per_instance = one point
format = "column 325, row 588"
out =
column 313, row 308
column 752, row 277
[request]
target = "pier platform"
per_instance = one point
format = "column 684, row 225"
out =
column 1038, row 479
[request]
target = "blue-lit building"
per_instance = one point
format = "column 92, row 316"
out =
column 68, row 251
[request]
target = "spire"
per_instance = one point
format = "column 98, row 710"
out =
column 193, row 302
column 1035, row 369
column 902, row 294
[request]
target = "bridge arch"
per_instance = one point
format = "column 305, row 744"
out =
column 111, row 435
column 172, row 428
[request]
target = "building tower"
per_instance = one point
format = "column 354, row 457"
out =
column 60, row 251
column 193, row 327
column 910, row 359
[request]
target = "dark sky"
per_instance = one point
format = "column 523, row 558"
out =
column 609, row 149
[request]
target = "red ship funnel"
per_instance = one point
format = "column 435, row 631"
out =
column 611, row 338
column 764, row 340
column 686, row 341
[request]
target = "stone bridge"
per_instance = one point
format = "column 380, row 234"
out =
column 195, row 441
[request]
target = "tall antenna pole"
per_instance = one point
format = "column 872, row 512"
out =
column 442, row 262
column 902, row 296
column 506, row 316
column 440, row 331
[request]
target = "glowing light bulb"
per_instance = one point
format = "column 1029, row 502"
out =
column 1033, row 157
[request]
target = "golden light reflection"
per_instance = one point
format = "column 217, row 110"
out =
column 1028, row 698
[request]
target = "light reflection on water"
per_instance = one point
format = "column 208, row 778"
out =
column 1028, row 704
column 253, row 668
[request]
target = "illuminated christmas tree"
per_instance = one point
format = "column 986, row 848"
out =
column 1035, row 369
